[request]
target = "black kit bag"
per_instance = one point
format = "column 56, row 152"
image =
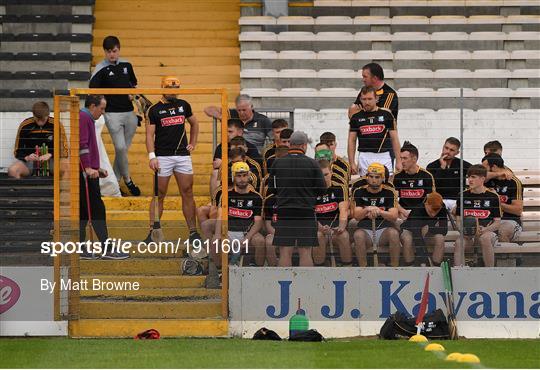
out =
column 399, row 326
column 311, row 335
column 266, row 334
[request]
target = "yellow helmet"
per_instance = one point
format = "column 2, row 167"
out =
column 170, row 81
column 239, row 167
column 376, row 168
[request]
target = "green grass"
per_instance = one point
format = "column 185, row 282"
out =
column 238, row 353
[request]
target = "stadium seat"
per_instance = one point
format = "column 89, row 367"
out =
column 372, row 36
column 297, row 54
column 526, row 92
column 523, row 19
column 32, row 75
column 295, row 20
column 449, row 36
column 453, row 73
column 451, row 54
column 490, row 54
column 74, row 37
column 295, row 36
column 410, row 19
column 403, row 36
column 257, row 36
column 334, row 36
column 32, row 37
column 31, row 18
column 7, row 56
column 374, row 55
column 336, row 54
column 372, row 20
column 413, row 73
column 258, row 73
column 33, row 94
column 529, row 35
column 525, row 54
column 448, row 19
column 297, row 73
column 258, row 54
column 492, row 73
column 484, row 36
column 256, row 21
column 337, row 73
column 489, row 93
column 261, row 92
column 298, row 93
column 74, row 57
column 486, row 19
column 5, row 93
column 337, row 20
column 34, row 56
column 72, row 75
column 525, row 73
column 413, row 55
column 338, row 93
column 77, row 19
column 4, row 75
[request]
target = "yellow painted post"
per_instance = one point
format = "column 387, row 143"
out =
column 224, row 204
column 74, row 272
column 56, row 217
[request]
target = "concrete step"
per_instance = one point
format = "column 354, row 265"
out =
column 143, row 203
column 159, row 51
column 26, row 191
column 170, row 16
column 143, row 35
column 34, row 84
column 95, row 309
column 26, row 214
column 155, row 282
column 188, row 25
column 128, row 215
column 24, row 259
column 132, row 266
column 151, row 294
column 26, row 203
column 21, row 246
column 128, row 328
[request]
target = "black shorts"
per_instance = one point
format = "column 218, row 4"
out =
column 296, row 228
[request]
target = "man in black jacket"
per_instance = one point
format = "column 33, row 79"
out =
column 296, row 180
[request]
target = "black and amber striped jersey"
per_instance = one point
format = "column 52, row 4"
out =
column 268, row 152
column 30, row 135
column 361, row 181
column 327, row 206
column 373, row 130
column 270, row 209
column 243, row 208
column 170, row 118
column 413, row 189
column 341, row 168
column 508, row 191
column 387, row 99
column 385, row 199
column 484, row 206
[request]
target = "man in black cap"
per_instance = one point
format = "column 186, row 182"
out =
column 296, row 181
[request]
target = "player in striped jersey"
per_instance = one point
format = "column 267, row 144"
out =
column 510, row 196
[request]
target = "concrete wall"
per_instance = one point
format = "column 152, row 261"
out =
column 518, row 131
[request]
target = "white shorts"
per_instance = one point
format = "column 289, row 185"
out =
column 378, row 234
column 517, row 229
column 364, row 159
column 450, row 204
column 175, row 163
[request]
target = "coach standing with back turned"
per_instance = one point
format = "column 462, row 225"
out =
column 296, row 180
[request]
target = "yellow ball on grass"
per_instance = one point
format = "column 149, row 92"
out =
column 434, row 347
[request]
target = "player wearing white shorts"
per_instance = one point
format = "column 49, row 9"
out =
column 375, row 130
column 379, row 202
column 169, row 151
